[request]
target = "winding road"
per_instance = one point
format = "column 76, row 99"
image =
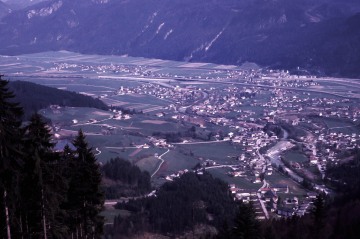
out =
column 162, row 161
column 98, row 151
column 258, row 194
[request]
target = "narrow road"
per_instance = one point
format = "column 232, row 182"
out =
column 203, row 142
column 265, row 184
column 221, row 166
column 98, row 151
column 130, row 147
column 343, row 127
column 162, row 161
column 95, row 122
column 95, row 86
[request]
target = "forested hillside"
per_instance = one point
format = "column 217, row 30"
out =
column 33, row 97
column 180, row 206
column 123, row 179
column 345, row 177
column 4, row 9
column 195, row 207
column 199, row 206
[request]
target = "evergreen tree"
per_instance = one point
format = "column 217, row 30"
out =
column 224, row 232
column 10, row 160
column 128, row 180
column 318, row 214
column 246, row 225
column 269, row 233
column 85, row 199
column 67, row 154
column 42, row 184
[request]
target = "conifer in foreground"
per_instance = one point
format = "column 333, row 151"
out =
column 84, row 195
column 10, row 160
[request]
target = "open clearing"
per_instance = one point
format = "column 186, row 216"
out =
column 153, row 122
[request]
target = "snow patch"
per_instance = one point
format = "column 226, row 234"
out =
column 282, row 19
column 100, row 1
column 313, row 16
column 214, row 40
column 159, row 28
column 46, row 11
column 150, row 21
column 168, row 34
column 72, row 24
column 206, row 46
column 33, row 41
column 200, row 48
column 153, row 17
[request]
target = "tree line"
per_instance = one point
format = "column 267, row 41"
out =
column 193, row 200
column 344, row 177
column 34, row 97
column 43, row 193
column 179, row 206
column 176, row 137
column 123, row 179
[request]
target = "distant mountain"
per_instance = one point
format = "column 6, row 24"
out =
column 4, row 9
column 33, row 97
column 19, row 4
column 318, row 35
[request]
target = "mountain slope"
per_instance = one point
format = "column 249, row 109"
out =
column 277, row 33
column 19, row 4
column 4, row 9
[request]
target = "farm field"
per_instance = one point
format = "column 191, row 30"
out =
column 149, row 164
column 277, row 178
column 240, row 182
column 341, row 126
column 121, row 138
column 176, row 160
column 220, row 152
column 295, row 156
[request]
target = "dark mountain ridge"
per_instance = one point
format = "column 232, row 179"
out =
column 33, row 97
column 19, row 4
column 4, row 9
column 321, row 36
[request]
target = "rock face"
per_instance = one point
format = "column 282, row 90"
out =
column 19, row 4
column 4, row 9
column 319, row 35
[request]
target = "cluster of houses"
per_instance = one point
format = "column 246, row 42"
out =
column 178, row 95
column 171, row 177
column 133, row 69
column 118, row 115
column 159, row 142
column 330, row 147
column 275, row 204
column 223, row 101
